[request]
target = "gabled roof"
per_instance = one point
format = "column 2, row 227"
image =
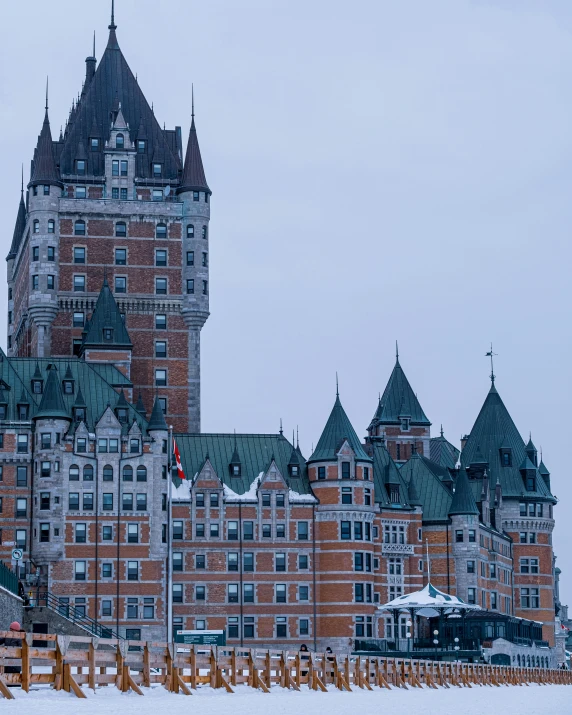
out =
column 256, row 452
column 399, row 400
column 44, row 166
column 106, row 315
column 463, row 500
column 52, row 405
column 338, row 429
column 193, row 172
column 18, row 228
column 114, row 83
column 442, row 452
column 386, row 473
column 494, row 429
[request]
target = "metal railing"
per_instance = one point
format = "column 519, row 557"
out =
column 8, row 578
column 75, row 615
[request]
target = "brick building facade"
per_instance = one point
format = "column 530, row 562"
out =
column 108, row 292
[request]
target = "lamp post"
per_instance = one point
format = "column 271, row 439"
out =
column 436, row 639
column 408, row 624
column 456, row 644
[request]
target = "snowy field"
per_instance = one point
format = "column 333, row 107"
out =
column 553, row 699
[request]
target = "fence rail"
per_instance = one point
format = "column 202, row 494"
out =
column 70, row 662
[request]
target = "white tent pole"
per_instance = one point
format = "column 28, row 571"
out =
column 428, row 562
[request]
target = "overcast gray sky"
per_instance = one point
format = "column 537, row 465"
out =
column 381, row 171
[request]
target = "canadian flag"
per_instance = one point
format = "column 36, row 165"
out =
column 180, row 471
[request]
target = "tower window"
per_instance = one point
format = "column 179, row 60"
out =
column 36, row 226
column 161, row 231
column 160, row 257
column 161, row 286
column 51, row 254
column 157, row 171
column 206, row 197
column 205, row 232
column 190, row 231
column 78, row 320
column 345, row 470
column 51, row 226
column 121, row 229
column 205, row 287
column 51, row 282
column 94, row 143
column 160, row 378
column 80, row 167
column 160, row 321
column 35, row 282
column 120, row 284
column 120, row 141
column 120, row 256
column 36, row 253
column 190, row 258
column 161, row 348
column 79, row 228
column 115, row 167
column 123, row 168
column 196, row 196
column 190, row 286
column 79, row 254
column 79, row 284
column 46, row 189
column 405, row 424
column 141, row 146
column 205, row 259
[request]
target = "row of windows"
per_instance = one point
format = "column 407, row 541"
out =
column 80, row 532
column 103, row 445
column 120, row 286
column 302, row 530
column 107, row 501
column 78, row 321
column 248, row 593
column 248, row 563
column 51, row 226
column 161, row 256
column 361, row 530
column 346, row 472
column 281, row 626
column 80, row 570
column 460, row 536
column 532, row 509
column 80, row 229
column 88, row 471
column 347, row 496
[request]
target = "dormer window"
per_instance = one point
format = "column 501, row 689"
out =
column 122, row 415
column 107, row 334
column 530, row 482
column 79, row 414
column 405, row 423
column 394, row 494
column 94, row 144
column 68, row 387
column 120, row 141
column 506, row 458
column 345, row 470
column 23, row 411
column 80, row 167
column 141, row 146
column 294, row 470
column 3, row 411
column 37, row 387
column 235, row 470
column 157, row 171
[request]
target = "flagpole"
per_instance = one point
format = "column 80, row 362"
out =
column 170, row 539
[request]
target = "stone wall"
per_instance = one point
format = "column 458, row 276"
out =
column 11, row 609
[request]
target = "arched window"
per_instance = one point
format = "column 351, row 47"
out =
column 121, row 229
column 36, row 226
column 88, row 473
column 108, row 473
column 141, row 473
column 190, row 231
column 74, row 473
column 518, row 659
column 79, row 228
column 127, row 473
column 51, row 225
column 119, row 141
column 161, row 231
column 528, row 661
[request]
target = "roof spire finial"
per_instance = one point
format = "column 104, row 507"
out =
column 47, row 79
column 281, row 430
column 396, row 352
column 491, row 355
column 297, row 437
column 441, row 430
column 337, row 385
column 293, row 442
column 22, row 186
column 113, row 26
column 192, row 102
column 93, row 55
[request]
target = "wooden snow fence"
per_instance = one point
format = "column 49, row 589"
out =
column 69, row 663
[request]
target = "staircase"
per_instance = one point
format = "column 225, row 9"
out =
column 61, row 610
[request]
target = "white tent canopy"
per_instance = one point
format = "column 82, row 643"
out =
column 431, row 598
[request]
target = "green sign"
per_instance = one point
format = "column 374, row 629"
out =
column 201, row 637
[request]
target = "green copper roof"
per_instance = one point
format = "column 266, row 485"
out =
column 432, row 493
column 338, row 429
column 399, row 400
column 255, row 450
column 385, row 475
column 442, row 452
column 543, row 470
column 463, row 500
column 52, row 403
column 157, row 419
column 493, row 430
column 105, row 316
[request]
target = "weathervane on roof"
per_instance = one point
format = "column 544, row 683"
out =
column 491, row 355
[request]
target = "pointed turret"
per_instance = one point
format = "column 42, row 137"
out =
column 140, row 407
column 45, row 169
column 52, row 405
column 157, row 419
column 412, row 494
column 399, row 401
column 531, row 451
column 18, row 228
column 106, row 327
column 544, row 473
column 463, row 502
column 235, row 464
column 194, row 178
column 337, row 430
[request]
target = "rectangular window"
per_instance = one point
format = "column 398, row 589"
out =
column 248, row 561
column 280, row 593
column 248, row 593
column 177, row 561
column 73, row 501
column 161, row 286
column 280, row 562
column 160, row 257
column 106, row 608
column 79, row 284
column 303, row 593
column 160, row 378
column 120, row 256
column 107, row 570
column 123, row 168
column 133, row 570
column 199, row 530
column 471, row 595
column 45, row 499
column 157, row 171
column 231, row 530
column 51, row 249
column 141, row 502
column 108, row 502
column 345, row 470
column 51, row 282
column 472, row 536
column 346, row 530
column 459, row 536
column 470, row 567
column 232, row 627
column 115, row 167
column 358, row 530
column 124, row 194
column 190, row 258
column 302, row 531
column 44, row 533
column 88, row 503
column 248, row 530
column 266, row 531
column 232, row 596
column 190, row 286
column 346, row 495
column 321, row 472
column 78, row 320
column 232, row 561
column 79, row 254
column 280, row 531
column 115, row 192
column 214, row 531
column 157, row 194
column 133, row 533
column 161, row 348
column 178, row 530
column 120, row 284
column 302, row 561
column 358, row 593
column 80, row 533
column 80, row 570
column 200, row 593
column 160, row 321
column 177, row 593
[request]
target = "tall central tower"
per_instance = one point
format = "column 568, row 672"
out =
column 116, row 198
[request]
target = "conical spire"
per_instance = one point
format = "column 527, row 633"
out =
column 52, row 405
column 45, row 170
column 338, row 428
column 412, row 495
column 106, row 317
column 399, row 400
column 235, row 459
column 463, row 501
column 140, row 407
column 79, row 400
column 18, row 228
column 194, row 178
column 157, row 419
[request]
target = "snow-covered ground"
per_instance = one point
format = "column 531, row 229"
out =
column 553, row 699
